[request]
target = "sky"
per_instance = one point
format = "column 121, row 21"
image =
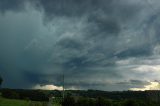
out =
column 110, row 45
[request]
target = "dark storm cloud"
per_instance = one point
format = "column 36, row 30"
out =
column 96, row 43
column 144, row 50
column 71, row 7
column 14, row 5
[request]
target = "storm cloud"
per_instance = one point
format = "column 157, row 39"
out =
column 98, row 44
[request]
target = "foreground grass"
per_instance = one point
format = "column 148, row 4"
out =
column 14, row 102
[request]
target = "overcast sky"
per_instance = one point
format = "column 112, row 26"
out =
column 97, row 44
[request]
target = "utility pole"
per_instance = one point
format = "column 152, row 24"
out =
column 63, row 87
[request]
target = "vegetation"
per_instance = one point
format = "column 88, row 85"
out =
column 22, row 97
column 81, row 101
column 13, row 102
column 34, row 95
column 100, row 101
column 1, row 80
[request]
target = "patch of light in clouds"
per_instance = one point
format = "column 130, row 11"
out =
column 147, row 68
column 47, row 87
column 152, row 86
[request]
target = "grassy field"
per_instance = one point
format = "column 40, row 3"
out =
column 14, row 102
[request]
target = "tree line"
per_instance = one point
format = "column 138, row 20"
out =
column 101, row 101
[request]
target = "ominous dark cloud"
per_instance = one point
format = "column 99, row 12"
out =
column 99, row 44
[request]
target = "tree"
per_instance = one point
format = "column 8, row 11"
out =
column 131, row 103
column 103, row 102
column 11, row 94
column 68, row 101
column 1, row 80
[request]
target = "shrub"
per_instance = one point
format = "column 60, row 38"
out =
column 103, row 102
column 10, row 94
column 68, row 101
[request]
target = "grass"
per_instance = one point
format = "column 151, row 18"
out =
column 15, row 102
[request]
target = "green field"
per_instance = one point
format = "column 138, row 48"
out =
column 14, row 102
